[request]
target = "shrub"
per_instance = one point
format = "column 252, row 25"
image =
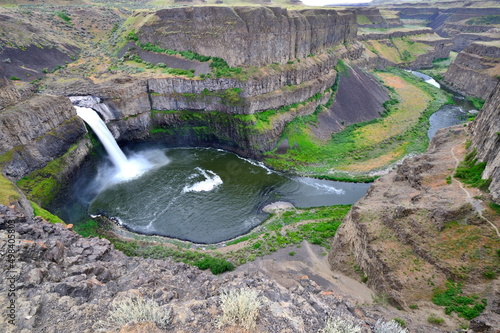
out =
column 453, row 300
column 132, row 36
column 87, row 228
column 216, row 265
column 14, row 78
column 388, row 327
column 137, row 310
column 240, row 306
column 400, row 322
column 64, row 16
column 470, row 172
column 433, row 319
column 339, row 325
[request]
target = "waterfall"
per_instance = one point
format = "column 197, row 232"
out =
column 127, row 169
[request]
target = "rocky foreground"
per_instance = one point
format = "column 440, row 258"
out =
column 67, row 283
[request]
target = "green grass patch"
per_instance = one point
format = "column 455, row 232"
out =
column 484, row 20
column 202, row 260
column 8, row 192
column 433, row 319
column 45, row 214
column 316, row 225
column 469, row 171
column 453, row 299
column 64, row 16
column 88, row 228
column 363, row 19
column 42, row 185
column 477, row 102
column 495, row 207
column 401, row 130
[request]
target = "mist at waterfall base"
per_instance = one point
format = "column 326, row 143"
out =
column 203, row 195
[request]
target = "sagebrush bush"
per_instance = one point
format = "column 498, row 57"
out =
column 388, row 327
column 134, row 310
column 339, row 325
column 240, row 307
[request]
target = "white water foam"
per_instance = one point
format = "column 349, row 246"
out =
column 212, row 180
column 256, row 163
column 322, row 187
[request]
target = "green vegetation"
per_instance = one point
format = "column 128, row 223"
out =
column 398, row 50
column 453, row 299
column 495, row 207
column 433, row 319
column 45, row 214
column 365, row 146
column 470, row 172
column 8, row 191
column 490, row 273
column 202, row 260
column 216, row 265
column 484, row 20
column 15, row 78
column 89, row 228
column 42, row 185
column 363, row 20
column 64, row 16
column 400, row 321
column 342, row 68
column 316, row 225
column 477, row 102
column 219, row 66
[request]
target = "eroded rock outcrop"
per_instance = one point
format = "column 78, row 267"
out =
column 67, row 283
column 403, row 235
column 454, row 20
column 371, row 17
column 248, row 36
column 8, row 93
column 474, row 71
column 486, row 140
column 35, row 132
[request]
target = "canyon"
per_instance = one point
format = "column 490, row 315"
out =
column 401, row 240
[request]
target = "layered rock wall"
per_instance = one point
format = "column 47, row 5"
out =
column 486, row 139
column 35, row 132
column 402, row 236
column 248, row 36
column 473, row 73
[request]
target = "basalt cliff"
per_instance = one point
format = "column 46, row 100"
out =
column 403, row 239
column 404, row 235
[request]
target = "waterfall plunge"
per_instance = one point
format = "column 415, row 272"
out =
column 127, row 169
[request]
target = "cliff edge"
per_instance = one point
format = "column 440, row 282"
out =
column 419, row 227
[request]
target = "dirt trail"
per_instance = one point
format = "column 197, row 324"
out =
column 308, row 261
column 475, row 203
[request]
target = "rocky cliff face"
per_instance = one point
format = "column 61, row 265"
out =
column 372, row 18
column 66, row 283
column 486, row 140
column 35, row 132
column 451, row 20
column 8, row 93
column 212, row 106
column 402, row 236
column 392, row 48
column 248, row 36
column 474, row 71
